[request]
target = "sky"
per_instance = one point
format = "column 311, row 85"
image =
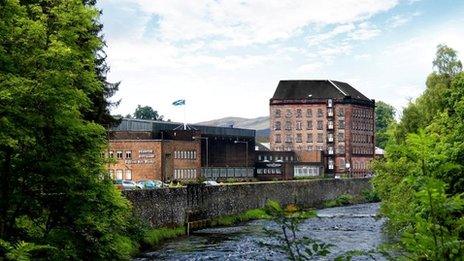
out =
column 226, row 57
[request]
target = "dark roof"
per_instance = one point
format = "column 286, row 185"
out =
column 149, row 125
column 316, row 89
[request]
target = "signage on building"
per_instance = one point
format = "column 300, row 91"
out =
column 145, row 157
column 273, row 165
column 146, row 154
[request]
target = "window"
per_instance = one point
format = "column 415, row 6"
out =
column 320, row 125
column 194, row 154
column 111, row 154
column 341, row 163
column 329, row 103
column 341, row 149
column 288, row 138
column 288, row 125
column 277, row 125
column 277, row 113
column 330, row 137
column 309, row 113
column 119, row 174
column 119, row 154
column 330, row 150
column 298, row 113
column 278, row 139
column 320, row 138
column 341, row 136
column 289, row 113
column 259, row 157
column 128, row 154
column 309, row 125
column 341, row 124
column 310, row 138
column 128, row 174
column 330, row 112
column 310, row 148
column 330, row 125
column 320, row 113
column 298, row 138
column 319, row 147
column 298, row 125
column 331, row 164
column 340, row 112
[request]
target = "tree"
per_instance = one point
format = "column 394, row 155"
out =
column 421, row 178
column 384, row 116
column 419, row 113
column 147, row 113
column 54, row 189
column 446, row 61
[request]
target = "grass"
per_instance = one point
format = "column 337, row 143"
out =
column 154, row 236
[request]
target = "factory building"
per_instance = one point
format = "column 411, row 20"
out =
column 314, row 116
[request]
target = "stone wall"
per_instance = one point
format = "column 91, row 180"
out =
column 168, row 207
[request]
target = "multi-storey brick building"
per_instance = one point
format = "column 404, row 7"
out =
column 324, row 115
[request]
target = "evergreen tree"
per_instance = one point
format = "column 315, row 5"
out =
column 54, row 189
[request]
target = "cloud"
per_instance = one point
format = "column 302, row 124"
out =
column 240, row 23
column 401, row 19
column 365, row 31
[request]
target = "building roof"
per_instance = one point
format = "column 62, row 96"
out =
column 316, row 89
column 155, row 126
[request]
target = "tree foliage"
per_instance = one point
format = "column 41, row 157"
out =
column 147, row 113
column 384, row 116
column 54, row 189
column 421, row 179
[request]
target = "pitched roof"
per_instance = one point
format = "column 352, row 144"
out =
column 316, row 89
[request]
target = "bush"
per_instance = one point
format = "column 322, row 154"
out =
column 341, row 200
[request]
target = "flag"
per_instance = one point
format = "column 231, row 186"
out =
column 179, row 102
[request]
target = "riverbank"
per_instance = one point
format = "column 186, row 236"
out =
column 154, row 238
column 350, row 229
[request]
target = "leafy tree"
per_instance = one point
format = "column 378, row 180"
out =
column 54, row 189
column 384, row 116
column 421, row 178
column 147, row 113
column 446, row 61
column 421, row 112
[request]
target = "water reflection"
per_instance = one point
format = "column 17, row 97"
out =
column 347, row 228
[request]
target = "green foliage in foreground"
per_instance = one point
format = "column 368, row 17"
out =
column 54, row 188
column 421, row 178
column 288, row 241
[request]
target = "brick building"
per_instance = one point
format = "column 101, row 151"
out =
column 324, row 115
column 161, row 150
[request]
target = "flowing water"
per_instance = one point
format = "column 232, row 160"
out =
column 346, row 228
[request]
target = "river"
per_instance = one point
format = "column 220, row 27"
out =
column 346, row 228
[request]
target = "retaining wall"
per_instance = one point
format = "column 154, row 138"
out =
column 168, row 206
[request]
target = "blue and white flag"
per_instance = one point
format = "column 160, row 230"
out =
column 179, row 102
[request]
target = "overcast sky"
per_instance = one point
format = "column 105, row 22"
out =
column 225, row 58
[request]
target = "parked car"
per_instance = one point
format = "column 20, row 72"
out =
column 210, row 183
column 146, row 184
column 160, row 184
column 128, row 185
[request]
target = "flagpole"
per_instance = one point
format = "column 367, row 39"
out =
column 185, row 118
